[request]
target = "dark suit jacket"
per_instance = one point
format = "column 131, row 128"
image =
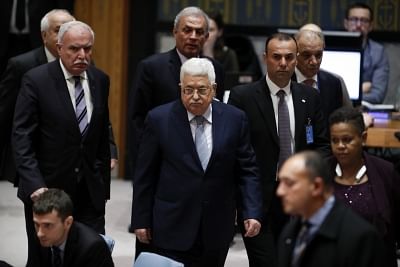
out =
column 330, row 91
column 385, row 186
column 344, row 239
column 84, row 248
column 9, row 88
column 174, row 196
column 255, row 100
column 48, row 147
column 156, row 83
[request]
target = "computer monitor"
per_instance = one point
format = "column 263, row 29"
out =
column 347, row 64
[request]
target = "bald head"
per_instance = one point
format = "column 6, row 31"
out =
column 311, row 27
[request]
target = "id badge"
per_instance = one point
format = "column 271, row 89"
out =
column 309, row 133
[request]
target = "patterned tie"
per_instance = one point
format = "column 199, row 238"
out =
column 201, row 142
column 57, row 261
column 302, row 240
column 309, row 82
column 81, row 111
column 285, row 143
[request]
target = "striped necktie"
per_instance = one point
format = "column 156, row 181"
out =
column 303, row 238
column 201, row 142
column 285, row 143
column 80, row 104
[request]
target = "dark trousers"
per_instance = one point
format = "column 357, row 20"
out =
column 84, row 212
column 261, row 249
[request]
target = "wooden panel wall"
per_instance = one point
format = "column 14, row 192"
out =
column 109, row 20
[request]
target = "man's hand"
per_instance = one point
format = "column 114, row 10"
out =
column 366, row 87
column 144, row 235
column 114, row 162
column 252, row 227
column 37, row 193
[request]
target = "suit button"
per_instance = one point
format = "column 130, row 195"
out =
column 76, row 169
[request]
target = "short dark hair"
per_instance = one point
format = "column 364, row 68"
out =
column 348, row 115
column 54, row 199
column 360, row 5
column 317, row 166
column 281, row 37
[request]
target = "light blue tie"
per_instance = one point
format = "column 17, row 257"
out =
column 201, row 142
column 81, row 111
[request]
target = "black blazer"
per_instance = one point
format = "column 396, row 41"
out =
column 255, row 100
column 48, row 148
column 84, row 248
column 175, row 197
column 9, row 88
column 156, row 83
column 330, row 91
column 344, row 239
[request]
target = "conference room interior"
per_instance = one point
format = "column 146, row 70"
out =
column 128, row 31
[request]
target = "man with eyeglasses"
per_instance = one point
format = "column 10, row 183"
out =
column 194, row 156
column 375, row 75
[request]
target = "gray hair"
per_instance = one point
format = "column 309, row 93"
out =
column 192, row 11
column 198, row 67
column 44, row 23
column 310, row 35
column 72, row 24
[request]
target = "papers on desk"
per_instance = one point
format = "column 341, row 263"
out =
column 378, row 107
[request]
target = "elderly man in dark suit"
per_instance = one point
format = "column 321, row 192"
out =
column 195, row 154
column 60, row 132
column 11, row 82
column 311, row 46
column 284, row 117
column 63, row 240
column 157, row 77
column 323, row 232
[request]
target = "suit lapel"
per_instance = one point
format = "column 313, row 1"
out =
column 181, row 127
column 299, row 106
column 175, row 65
column 62, row 90
column 218, row 129
column 264, row 103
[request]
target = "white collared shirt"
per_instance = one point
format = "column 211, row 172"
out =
column 301, row 78
column 71, row 89
column 207, row 126
column 273, row 90
column 49, row 56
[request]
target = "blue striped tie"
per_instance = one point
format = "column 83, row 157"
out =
column 201, row 142
column 285, row 144
column 80, row 103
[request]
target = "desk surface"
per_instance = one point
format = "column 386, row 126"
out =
column 382, row 133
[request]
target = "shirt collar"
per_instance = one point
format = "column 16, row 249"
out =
column 301, row 78
column 207, row 115
column 318, row 218
column 181, row 56
column 69, row 76
column 273, row 88
column 49, row 55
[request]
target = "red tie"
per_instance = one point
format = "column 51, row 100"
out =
column 309, row 82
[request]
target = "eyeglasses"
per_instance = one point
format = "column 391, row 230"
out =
column 200, row 91
column 355, row 20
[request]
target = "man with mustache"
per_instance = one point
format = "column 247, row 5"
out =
column 60, row 132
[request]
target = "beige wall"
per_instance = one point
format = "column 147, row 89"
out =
column 109, row 20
